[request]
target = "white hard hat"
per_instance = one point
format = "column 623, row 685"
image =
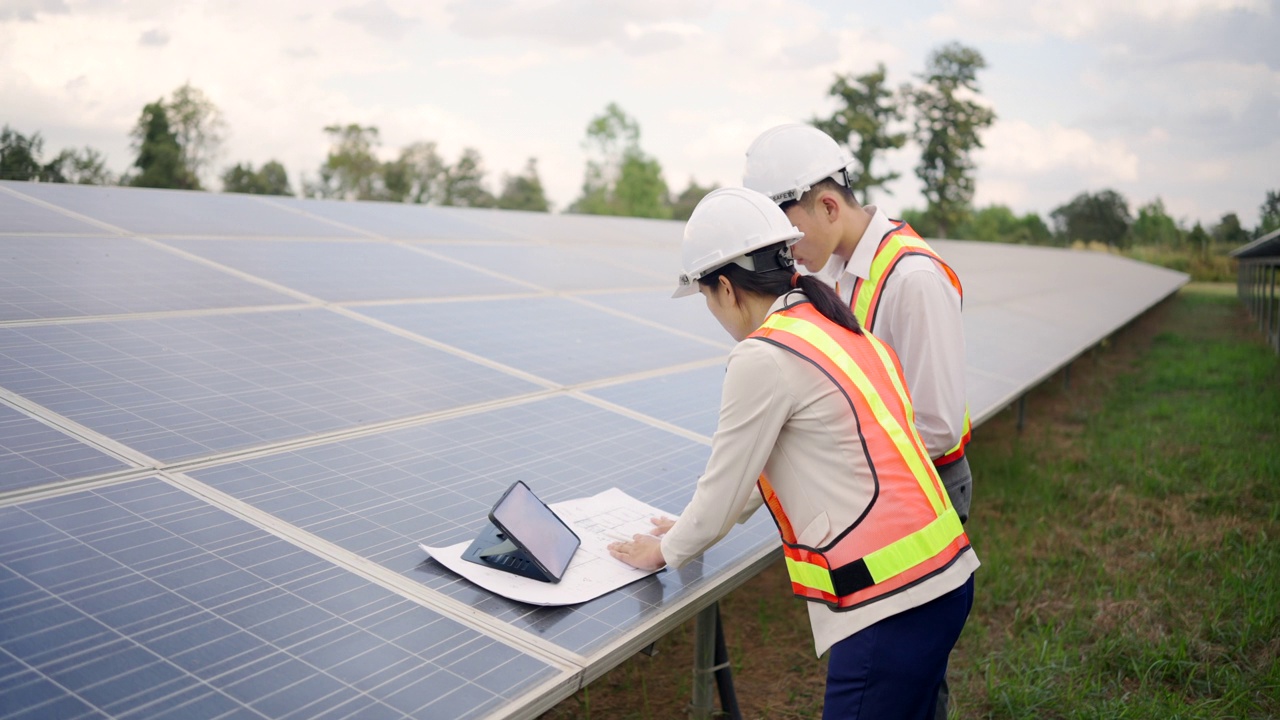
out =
column 724, row 228
column 787, row 160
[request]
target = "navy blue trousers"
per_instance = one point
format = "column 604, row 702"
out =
column 892, row 670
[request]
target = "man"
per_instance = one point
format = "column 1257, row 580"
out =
column 896, row 285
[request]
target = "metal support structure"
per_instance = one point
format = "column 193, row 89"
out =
column 711, row 664
column 1022, row 412
column 1066, row 377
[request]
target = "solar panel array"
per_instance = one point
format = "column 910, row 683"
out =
column 226, row 422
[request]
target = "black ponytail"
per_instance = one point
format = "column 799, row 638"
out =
column 774, row 283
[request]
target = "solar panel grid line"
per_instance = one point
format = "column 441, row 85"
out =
column 714, row 342
column 155, row 315
column 319, row 218
column 647, row 419
column 373, row 572
column 64, row 424
column 112, row 229
column 445, row 347
column 357, row 304
column 477, row 268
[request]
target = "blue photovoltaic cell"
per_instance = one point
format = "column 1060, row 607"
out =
column 51, row 277
column 550, row 337
column 585, row 229
column 18, row 215
column 398, row 221
column 558, row 267
column 345, row 271
column 139, row 600
column 32, row 453
column 381, row 495
column 690, row 399
column 175, row 212
column 688, row 314
column 177, row 388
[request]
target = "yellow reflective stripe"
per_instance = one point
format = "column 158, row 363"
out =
column 861, row 304
column 921, row 545
column 811, row 576
column 937, row 500
column 964, row 430
column 897, row 435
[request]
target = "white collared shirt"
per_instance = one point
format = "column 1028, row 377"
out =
column 919, row 317
column 779, row 416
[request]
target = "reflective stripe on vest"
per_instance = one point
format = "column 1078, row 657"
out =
column 909, row 531
column 898, row 243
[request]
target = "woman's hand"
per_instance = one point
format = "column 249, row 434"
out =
column 661, row 526
column 642, row 551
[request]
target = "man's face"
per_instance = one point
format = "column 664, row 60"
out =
column 815, row 248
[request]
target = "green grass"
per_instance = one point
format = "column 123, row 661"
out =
column 1130, row 541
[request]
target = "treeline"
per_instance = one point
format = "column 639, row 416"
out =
column 177, row 139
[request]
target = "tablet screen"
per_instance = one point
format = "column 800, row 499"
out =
column 525, row 519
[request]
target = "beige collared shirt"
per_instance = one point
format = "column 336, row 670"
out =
column 919, row 317
column 779, row 415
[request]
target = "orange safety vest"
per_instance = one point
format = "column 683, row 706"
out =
column 898, row 243
column 909, row 531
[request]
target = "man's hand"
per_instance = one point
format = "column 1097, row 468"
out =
column 642, row 551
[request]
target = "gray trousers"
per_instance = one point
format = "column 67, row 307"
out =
column 958, row 480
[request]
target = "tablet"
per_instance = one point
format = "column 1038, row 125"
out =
column 536, row 530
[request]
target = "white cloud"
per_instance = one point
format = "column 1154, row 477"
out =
column 1030, row 19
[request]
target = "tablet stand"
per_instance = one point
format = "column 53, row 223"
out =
column 493, row 549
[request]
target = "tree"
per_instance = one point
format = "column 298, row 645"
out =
column 350, row 171
column 82, row 167
column 683, row 204
column 997, row 223
column 1269, row 214
column 1229, row 232
column 20, row 160
column 20, row 155
column 524, row 191
column 1103, row 217
column 198, row 125
column 417, row 176
column 270, row 180
column 1199, row 240
column 464, row 182
column 1154, row 227
column 868, row 108
column 620, row 179
column 947, row 123
column 159, row 155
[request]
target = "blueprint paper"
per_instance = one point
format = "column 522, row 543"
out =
column 598, row 520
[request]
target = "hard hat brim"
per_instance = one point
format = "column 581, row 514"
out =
column 685, row 290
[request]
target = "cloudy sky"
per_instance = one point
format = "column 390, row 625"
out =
column 1177, row 99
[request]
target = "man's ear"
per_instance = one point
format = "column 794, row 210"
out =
column 830, row 207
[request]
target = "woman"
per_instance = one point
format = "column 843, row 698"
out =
column 816, row 423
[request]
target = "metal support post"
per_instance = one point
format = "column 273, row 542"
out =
column 1066, row 377
column 704, row 650
column 711, row 663
column 1022, row 412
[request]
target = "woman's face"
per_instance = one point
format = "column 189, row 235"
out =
column 722, row 302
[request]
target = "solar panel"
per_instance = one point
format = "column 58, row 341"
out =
column 379, row 496
column 321, row 386
column 398, row 221
column 141, row 599
column 21, row 216
column 176, row 388
column 53, row 277
column 550, row 337
column 174, row 212
column 555, row 267
column 350, row 271
column 32, row 453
